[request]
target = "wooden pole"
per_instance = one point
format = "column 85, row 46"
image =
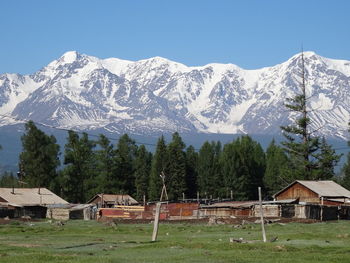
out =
column 262, row 216
column 231, row 195
column 321, row 214
column 198, row 197
column 156, row 222
column 183, row 197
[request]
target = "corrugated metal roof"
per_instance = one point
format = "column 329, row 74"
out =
column 322, row 188
column 326, row 188
column 30, row 196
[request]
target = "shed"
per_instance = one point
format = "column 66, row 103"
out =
column 111, row 200
column 29, row 201
column 71, row 211
column 316, row 192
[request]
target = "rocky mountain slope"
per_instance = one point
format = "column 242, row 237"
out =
column 156, row 95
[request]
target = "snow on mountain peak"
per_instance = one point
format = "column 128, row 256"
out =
column 158, row 94
column 68, row 57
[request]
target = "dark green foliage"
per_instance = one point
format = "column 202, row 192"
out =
column 142, row 172
column 39, row 159
column 301, row 144
column 209, row 172
column 277, row 174
column 125, row 156
column 346, row 170
column 346, row 173
column 7, row 179
column 327, row 160
column 191, row 172
column 79, row 172
column 176, row 168
column 159, row 161
column 106, row 167
column 243, row 167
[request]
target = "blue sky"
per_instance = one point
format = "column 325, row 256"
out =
column 248, row 33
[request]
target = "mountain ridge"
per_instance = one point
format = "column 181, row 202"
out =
column 158, row 95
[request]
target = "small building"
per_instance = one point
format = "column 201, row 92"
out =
column 112, row 200
column 315, row 192
column 71, row 211
column 28, row 201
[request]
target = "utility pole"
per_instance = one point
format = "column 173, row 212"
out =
column 162, row 175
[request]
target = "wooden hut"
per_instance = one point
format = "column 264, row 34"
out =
column 315, row 192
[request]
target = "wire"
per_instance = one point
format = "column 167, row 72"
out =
column 79, row 132
column 97, row 136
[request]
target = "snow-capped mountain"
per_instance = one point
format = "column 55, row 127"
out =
column 156, row 95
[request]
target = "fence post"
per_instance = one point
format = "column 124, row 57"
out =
column 262, row 216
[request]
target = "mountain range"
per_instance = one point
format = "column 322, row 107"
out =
column 156, row 95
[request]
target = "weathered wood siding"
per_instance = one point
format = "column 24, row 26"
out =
column 269, row 210
column 298, row 191
column 171, row 211
column 58, row 213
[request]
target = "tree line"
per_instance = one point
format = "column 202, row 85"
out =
column 234, row 169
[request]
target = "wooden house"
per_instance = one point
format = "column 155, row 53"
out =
column 28, row 201
column 315, row 192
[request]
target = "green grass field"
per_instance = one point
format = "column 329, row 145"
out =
column 89, row 241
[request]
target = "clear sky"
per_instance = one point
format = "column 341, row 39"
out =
column 248, row 33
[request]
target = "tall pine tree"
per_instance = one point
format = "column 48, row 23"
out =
column 142, row 171
column 39, row 160
column 301, row 144
column 125, row 157
column 159, row 161
column 243, row 164
column 209, row 180
column 106, row 166
column 191, row 172
column 175, row 170
column 277, row 174
column 346, row 170
column 79, row 172
column 327, row 160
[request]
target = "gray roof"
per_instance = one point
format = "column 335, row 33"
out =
column 115, row 198
column 322, row 188
column 30, row 196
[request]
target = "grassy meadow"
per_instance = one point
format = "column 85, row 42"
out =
column 90, row 241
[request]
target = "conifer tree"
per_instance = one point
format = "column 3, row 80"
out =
column 277, row 173
column 209, row 180
column 301, row 144
column 243, row 164
column 125, row 157
column 346, row 170
column 142, row 171
column 105, row 166
column 79, row 172
column 159, row 161
column 191, row 172
column 327, row 160
column 7, row 179
column 39, row 159
column 175, row 170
